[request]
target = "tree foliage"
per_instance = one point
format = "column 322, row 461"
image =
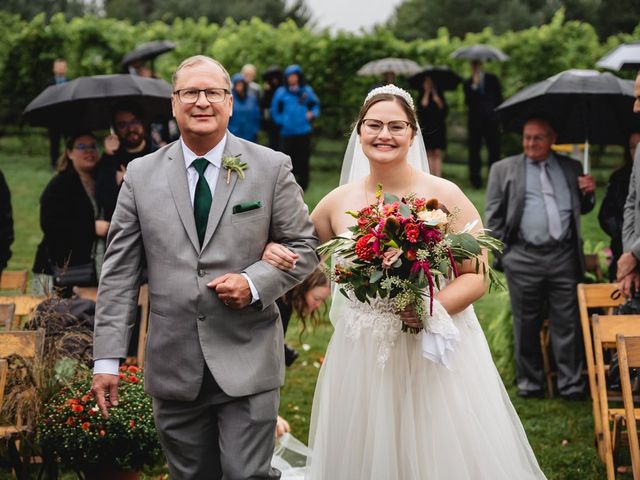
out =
column 95, row 45
column 414, row 19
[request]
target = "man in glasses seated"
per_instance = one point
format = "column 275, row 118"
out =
column 128, row 140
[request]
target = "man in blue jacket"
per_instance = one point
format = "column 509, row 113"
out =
column 293, row 108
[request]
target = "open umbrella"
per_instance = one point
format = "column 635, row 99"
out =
column 273, row 71
column 148, row 51
column 584, row 105
column 86, row 102
column 399, row 66
column 625, row 56
column 480, row 53
column 443, row 77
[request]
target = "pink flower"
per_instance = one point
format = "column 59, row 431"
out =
column 390, row 256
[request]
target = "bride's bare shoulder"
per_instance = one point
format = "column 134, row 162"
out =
column 339, row 196
column 444, row 190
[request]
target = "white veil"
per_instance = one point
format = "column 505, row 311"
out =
column 355, row 164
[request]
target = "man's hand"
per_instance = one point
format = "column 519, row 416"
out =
column 279, row 256
column 630, row 283
column 232, row 289
column 111, row 144
column 104, row 389
column 586, row 184
column 282, row 427
column 627, row 263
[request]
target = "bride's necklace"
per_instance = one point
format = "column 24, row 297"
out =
column 404, row 194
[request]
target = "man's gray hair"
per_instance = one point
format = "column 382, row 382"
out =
column 197, row 60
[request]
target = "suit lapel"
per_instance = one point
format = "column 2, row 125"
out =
column 223, row 190
column 179, row 185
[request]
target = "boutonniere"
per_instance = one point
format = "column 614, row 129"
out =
column 233, row 164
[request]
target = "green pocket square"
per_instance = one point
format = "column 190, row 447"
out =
column 246, row 206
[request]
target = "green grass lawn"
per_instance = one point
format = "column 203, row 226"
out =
column 560, row 432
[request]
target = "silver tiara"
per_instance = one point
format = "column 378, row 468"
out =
column 393, row 90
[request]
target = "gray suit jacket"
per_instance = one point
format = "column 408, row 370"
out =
column 631, row 225
column 188, row 325
column 506, row 192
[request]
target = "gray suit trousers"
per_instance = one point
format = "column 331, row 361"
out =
column 218, row 437
column 542, row 284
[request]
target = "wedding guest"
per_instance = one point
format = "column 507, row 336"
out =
column 534, row 203
column 294, row 108
column 432, row 114
column 73, row 233
column 6, row 223
column 611, row 212
column 272, row 78
column 249, row 73
column 482, row 93
column 245, row 121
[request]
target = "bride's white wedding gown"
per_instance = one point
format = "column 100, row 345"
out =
column 382, row 411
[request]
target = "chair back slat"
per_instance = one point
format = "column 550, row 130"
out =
column 612, row 325
column 7, row 311
column 14, row 281
column 28, row 344
column 629, row 357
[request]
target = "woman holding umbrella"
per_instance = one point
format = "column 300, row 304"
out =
column 432, row 114
column 73, row 234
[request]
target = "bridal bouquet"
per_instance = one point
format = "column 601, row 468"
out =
column 401, row 248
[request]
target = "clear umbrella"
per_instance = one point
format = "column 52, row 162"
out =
column 625, row 56
column 399, row 66
column 480, row 53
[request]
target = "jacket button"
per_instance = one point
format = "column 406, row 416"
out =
column 201, row 272
column 202, row 317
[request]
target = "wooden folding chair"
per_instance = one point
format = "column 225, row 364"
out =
column 24, row 307
column 30, row 345
column 590, row 296
column 143, row 303
column 605, row 329
column 629, row 357
column 7, row 311
column 14, row 281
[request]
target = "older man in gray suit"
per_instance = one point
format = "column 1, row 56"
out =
column 534, row 202
column 628, row 271
column 201, row 211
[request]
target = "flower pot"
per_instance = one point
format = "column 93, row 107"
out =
column 109, row 473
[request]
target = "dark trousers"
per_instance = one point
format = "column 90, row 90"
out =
column 542, row 284
column 218, row 437
column 299, row 149
column 479, row 131
column 54, row 146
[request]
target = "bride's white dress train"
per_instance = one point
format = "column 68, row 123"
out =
column 382, row 411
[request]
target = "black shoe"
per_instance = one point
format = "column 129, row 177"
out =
column 575, row 397
column 531, row 393
column 290, row 356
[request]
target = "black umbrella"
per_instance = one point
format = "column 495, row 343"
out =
column 443, row 77
column 274, row 71
column 625, row 56
column 583, row 105
column 86, row 102
column 148, row 51
column 480, row 53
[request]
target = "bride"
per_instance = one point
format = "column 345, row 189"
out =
column 388, row 405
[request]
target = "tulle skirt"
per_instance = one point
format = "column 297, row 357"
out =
column 382, row 411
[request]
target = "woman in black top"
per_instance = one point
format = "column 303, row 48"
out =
column 69, row 216
column 432, row 114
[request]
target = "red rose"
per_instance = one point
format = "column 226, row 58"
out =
column 133, row 379
column 412, row 231
column 102, row 433
column 71, row 422
column 132, row 369
column 86, row 425
column 77, row 408
column 410, row 255
column 364, row 249
column 132, row 424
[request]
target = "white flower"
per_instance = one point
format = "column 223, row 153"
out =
column 433, row 218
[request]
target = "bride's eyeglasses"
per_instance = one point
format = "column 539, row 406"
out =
column 397, row 128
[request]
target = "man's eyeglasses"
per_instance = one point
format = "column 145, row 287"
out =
column 85, row 147
column 535, row 138
column 191, row 95
column 397, row 128
column 122, row 125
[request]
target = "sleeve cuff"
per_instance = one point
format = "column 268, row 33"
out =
column 254, row 292
column 106, row 365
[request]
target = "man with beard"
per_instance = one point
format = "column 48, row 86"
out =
column 129, row 141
